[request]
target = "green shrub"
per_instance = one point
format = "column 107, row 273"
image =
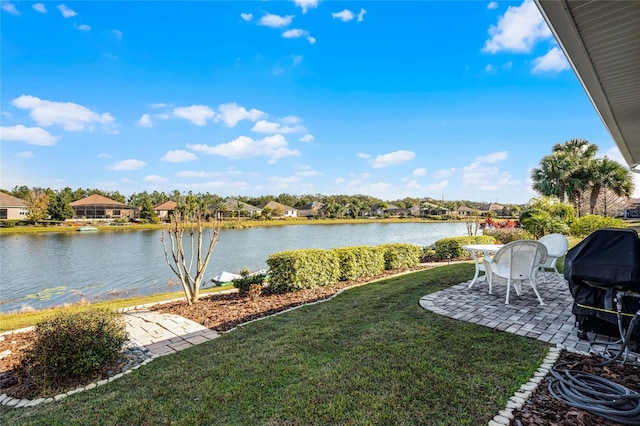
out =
column 427, row 254
column 297, row 269
column 506, row 235
column 74, row 346
column 400, row 255
column 244, row 284
column 451, row 248
column 358, row 262
column 8, row 223
column 585, row 225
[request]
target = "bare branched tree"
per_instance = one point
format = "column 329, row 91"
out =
column 186, row 234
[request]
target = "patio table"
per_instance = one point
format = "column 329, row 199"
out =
column 487, row 249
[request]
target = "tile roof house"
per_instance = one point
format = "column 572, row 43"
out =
column 234, row 205
column 99, row 207
column 310, row 210
column 280, row 210
column 13, row 208
column 633, row 209
column 496, row 208
column 164, row 210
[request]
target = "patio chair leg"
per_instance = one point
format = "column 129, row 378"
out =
column 533, row 286
column 506, row 302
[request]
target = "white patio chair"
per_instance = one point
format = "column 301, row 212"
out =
column 557, row 246
column 517, row 261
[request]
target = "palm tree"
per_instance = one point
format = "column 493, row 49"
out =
column 566, row 173
column 609, row 175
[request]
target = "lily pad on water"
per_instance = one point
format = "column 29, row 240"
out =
column 46, row 294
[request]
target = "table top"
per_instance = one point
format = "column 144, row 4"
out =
column 483, row 247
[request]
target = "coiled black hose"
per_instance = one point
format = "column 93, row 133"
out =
column 595, row 394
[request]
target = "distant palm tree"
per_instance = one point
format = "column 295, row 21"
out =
column 610, row 175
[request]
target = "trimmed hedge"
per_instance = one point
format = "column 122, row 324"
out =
column 585, row 225
column 299, row 269
column 400, row 255
column 451, row 248
column 359, row 261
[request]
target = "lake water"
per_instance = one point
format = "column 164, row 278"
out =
column 44, row 270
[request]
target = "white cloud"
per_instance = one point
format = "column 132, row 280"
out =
column 494, row 157
column 232, row 113
column 274, row 147
column 420, row 171
column 159, row 105
column 275, row 21
column 154, row 178
column 340, row 180
column 554, row 60
column 363, row 155
column 345, row 16
column 307, row 171
column 117, row 33
column 361, row 15
column 483, row 177
column 492, row 5
column 438, row 186
column 145, row 121
column 72, row 117
column 25, row 154
column 30, row 135
column 306, row 138
column 488, row 68
column 193, row 174
column 263, row 126
column 84, row 27
column 179, row 156
column 443, row 173
column 9, row 8
column 66, row 12
column 103, row 155
column 130, row 164
column 297, row 33
column 197, row 114
column 246, row 16
column 517, row 30
column 306, row 4
column 39, row 7
column 392, row 158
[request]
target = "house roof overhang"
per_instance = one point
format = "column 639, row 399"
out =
column 601, row 40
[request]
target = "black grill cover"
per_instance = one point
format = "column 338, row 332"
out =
column 607, row 261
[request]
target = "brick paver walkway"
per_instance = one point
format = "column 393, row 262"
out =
column 552, row 323
column 164, row 334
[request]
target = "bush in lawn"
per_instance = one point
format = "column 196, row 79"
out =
column 69, row 347
column 451, row 248
column 585, row 225
column 298, row 269
column 400, row 255
column 358, row 262
column 245, row 283
column 506, row 235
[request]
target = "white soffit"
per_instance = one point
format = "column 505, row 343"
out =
column 601, row 40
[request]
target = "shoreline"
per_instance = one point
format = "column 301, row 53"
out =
column 226, row 224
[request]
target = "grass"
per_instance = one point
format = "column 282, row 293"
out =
column 16, row 321
column 369, row 356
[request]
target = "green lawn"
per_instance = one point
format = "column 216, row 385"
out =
column 371, row 356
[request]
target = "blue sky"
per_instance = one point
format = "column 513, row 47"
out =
column 453, row 99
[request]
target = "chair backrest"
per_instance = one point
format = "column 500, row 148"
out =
column 556, row 244
column 521, row 257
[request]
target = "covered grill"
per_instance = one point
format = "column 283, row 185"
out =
column 601, row 266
